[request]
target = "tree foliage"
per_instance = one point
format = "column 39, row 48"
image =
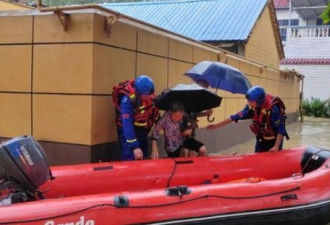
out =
column 326, row 15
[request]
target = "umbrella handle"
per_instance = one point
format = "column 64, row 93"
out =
column 209, row 119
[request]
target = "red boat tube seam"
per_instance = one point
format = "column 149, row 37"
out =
column 159, row 205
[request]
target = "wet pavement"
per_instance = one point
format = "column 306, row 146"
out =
column 312, row 131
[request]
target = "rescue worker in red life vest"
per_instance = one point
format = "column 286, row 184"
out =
column 268, row 119
column 135, row 115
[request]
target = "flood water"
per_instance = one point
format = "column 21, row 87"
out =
column 312, row 131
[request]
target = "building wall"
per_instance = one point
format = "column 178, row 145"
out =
column 56, row 85
column 261, row 46
column 307, row 47
column 10, row 6
column 301, row 43
column 317, row 80
column 284, row 14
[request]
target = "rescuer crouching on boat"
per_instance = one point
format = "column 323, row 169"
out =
column 135, row 115
column 268, row 119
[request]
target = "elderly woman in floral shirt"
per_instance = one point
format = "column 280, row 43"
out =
column 178, row 134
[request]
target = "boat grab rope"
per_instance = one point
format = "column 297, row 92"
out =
column 174, row 169
column 156, row 205
column 172, row 173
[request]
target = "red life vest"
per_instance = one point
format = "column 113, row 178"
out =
column 145, row 111
column 261, row 121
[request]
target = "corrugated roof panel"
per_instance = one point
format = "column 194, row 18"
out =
column 228, row 29
column 251, row 17
column 206, row 20
column 236, row 24
column 217, row 25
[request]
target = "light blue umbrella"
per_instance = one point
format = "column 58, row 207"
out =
column 220, row 76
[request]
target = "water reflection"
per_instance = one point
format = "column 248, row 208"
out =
column 311, row 132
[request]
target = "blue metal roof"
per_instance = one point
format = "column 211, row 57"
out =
column 204, row 20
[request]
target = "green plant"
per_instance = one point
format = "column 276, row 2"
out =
column 326, row 15
column 316, row 108
column 306, row 107
column 328, row 106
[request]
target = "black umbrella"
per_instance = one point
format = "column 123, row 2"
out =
column 194, row 98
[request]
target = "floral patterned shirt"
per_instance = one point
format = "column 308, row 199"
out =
column 172, row 133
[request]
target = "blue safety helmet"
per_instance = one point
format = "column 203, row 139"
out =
column 144, row 85
column 257, row 94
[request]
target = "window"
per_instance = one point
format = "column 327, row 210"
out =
column 319, row 22
column 283, row 22
column 283, row 34
column 294, row 22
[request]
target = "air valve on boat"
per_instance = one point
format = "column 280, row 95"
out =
column 121, row 201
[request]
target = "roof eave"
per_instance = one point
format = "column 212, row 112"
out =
column 226, row 41
column 279, row 45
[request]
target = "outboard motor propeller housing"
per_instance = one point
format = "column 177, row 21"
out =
column 23, row 168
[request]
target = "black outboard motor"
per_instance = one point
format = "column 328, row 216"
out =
column 23, row 169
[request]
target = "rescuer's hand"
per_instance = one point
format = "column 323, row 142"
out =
column 212, row 126
column 209, row 112
column 138, row 154
column 274, row 149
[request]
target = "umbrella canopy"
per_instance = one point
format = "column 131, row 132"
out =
column 194, row 98
column 220, row 76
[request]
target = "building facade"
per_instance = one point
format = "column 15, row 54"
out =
column 306, row 42
column 56, row 84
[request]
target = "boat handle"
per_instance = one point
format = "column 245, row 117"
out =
column 289, row 197
column 178, row 191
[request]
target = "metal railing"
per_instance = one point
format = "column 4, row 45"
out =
column 309, row 32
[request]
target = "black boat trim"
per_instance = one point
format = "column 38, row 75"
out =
column 242, row 214
column 102, row 168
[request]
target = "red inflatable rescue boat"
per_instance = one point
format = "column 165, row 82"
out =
column 287, row 187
